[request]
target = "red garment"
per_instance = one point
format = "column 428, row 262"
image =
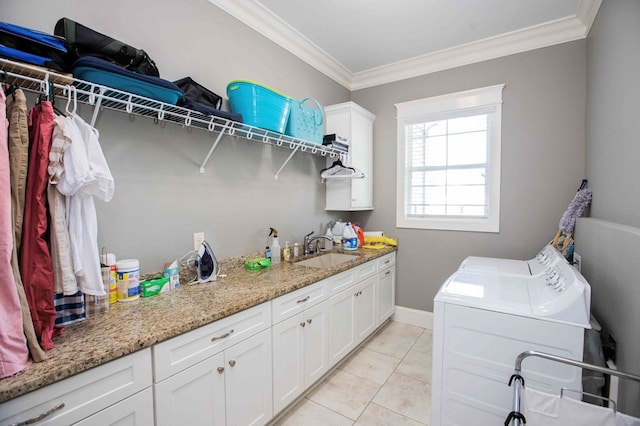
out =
column 36, row 266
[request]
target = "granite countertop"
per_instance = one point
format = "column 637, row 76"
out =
column 131, row 326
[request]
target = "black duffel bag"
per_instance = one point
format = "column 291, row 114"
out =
column 195, row 92
column 83, row 41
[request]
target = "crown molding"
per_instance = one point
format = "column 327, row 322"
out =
column 256, row 16
column 261, row 19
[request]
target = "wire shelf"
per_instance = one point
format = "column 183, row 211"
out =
column 45, row 81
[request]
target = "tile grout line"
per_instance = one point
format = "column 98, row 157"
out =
column 385, row 382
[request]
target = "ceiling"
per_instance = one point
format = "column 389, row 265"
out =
column 364, row 43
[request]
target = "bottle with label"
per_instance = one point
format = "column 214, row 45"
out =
column 286, row 253
column 349, row 238
column 275, row 247
column 267, row 252
column 296, row 250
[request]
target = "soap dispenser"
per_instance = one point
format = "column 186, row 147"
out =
column 275, row 246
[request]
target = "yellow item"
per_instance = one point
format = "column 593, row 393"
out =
column 379, row 242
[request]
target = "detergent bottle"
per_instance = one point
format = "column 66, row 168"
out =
column 349, row 238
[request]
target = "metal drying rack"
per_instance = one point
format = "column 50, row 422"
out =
column 516, row 416
column 42, row 80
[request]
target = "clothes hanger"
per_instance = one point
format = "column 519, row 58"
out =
column 337, row 165
column 337, row 169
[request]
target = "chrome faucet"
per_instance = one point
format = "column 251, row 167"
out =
column 309, row 247
column 306, row 243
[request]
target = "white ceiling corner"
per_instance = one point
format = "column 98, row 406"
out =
column 261, row 19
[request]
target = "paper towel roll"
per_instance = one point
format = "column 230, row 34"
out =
column 373, row 234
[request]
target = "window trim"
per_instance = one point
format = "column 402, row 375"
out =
column 452, row 104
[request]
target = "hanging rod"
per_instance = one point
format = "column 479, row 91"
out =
column 33, row 78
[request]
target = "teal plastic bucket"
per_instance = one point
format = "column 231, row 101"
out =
column 259, row 105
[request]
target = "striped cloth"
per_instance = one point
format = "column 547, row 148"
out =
column 69, row 309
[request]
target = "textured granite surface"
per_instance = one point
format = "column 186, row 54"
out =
column 131, row 326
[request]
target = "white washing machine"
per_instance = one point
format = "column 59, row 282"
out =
column 547, row 257
column 483, row 320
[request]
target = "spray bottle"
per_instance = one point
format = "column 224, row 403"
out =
column 275, row 246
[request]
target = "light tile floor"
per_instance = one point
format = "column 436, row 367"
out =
column 385, row 382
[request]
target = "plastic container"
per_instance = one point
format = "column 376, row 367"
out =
column 349, row 238
column 275, row 250
column 128, row 279
column 296, row 250
column 259, row 105
column 306, row 122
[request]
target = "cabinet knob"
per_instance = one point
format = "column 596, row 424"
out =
column 309, row 321
column 387, row 273
column 302, row 324
column 232, row 363
column 220, row 370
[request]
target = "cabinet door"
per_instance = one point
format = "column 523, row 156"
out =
column 288, row 361
column 316, row 339
column 386, row 294
column 194, row 396
column 341, row 325
column 364, row 309
column 362, row 158
column 137, row 410
column 248, row 381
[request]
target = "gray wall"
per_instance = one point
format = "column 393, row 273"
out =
column 610, row 242
column 543, row 152
column 161, row 198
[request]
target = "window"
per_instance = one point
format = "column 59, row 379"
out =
column 449, row 161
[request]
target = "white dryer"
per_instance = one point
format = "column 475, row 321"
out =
column 483, row 320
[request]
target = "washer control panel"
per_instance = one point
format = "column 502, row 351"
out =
column 562, row 293
column 546, row 258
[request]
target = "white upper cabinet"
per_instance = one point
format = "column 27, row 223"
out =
column 352, row 121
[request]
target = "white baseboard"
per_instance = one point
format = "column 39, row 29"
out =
column 417, row 317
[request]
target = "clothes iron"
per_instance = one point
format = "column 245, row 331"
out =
column 207, row 264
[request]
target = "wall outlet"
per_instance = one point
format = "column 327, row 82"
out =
column 577, row 261
column 198, row 238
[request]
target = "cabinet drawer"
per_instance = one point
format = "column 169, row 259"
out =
column 297, row 301
column 337, row 283
column 186, row 350
column 84, row 394
column 365, row 271
column 136, row 410
column 386, row 261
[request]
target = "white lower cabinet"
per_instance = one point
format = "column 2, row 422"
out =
column 386, row 289
column 364, row 309
column 352, row 317
column 194, row 396
column 248, row 381
column 299, row 354
column 231, row 387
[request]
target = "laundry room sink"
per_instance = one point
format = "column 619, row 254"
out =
column 326, row 261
